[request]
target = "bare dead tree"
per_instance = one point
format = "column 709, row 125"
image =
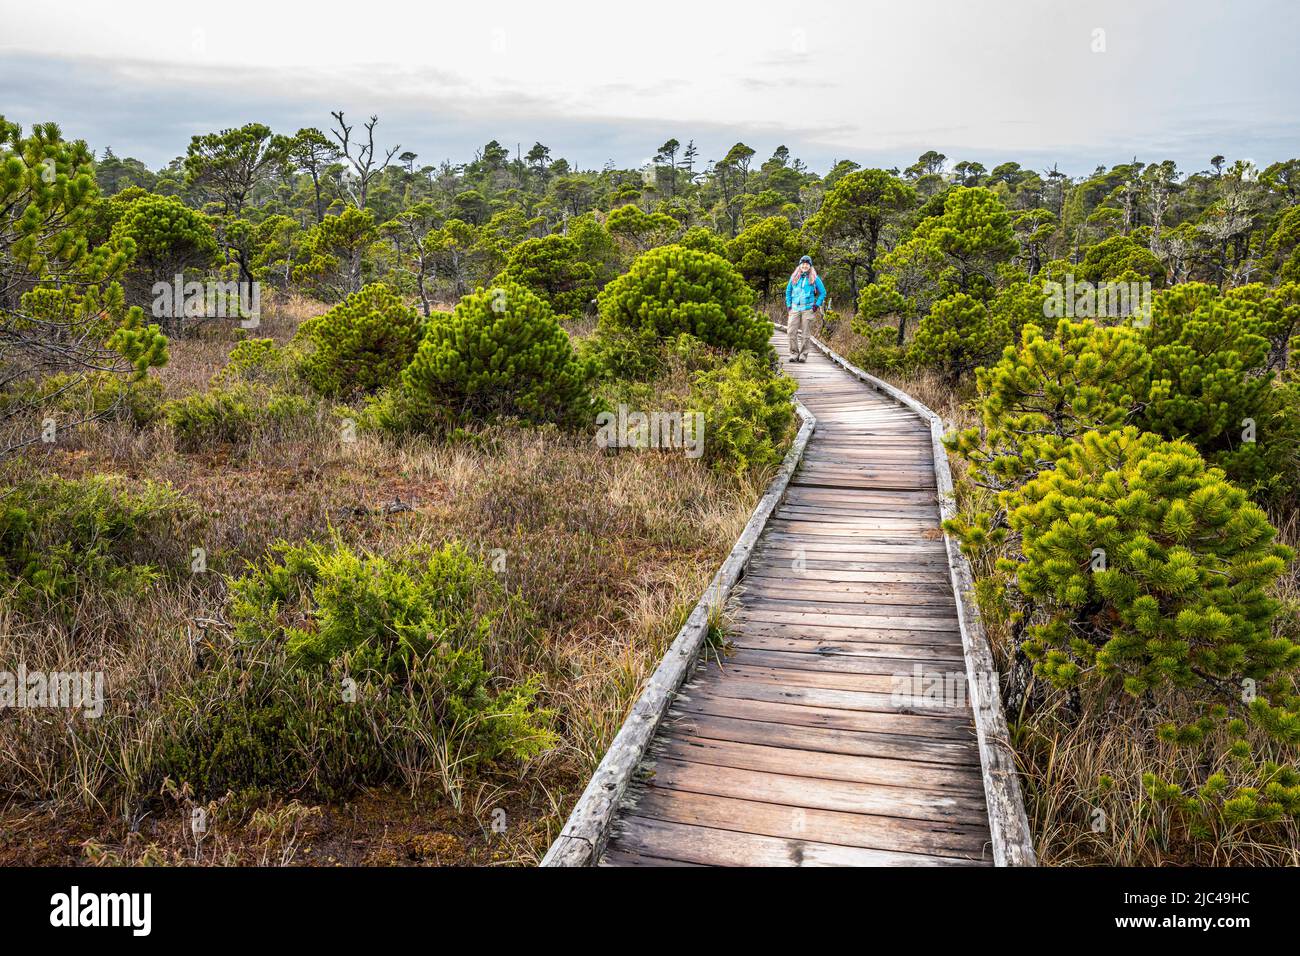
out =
column 363, row 161
column 1228, row 224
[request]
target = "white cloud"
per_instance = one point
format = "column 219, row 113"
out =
column 878, row 81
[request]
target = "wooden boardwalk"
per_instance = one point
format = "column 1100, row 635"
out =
column 821, row 735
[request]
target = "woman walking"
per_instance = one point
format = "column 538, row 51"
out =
column 804, row 295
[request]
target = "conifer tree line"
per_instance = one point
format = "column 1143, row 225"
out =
column 445, row 226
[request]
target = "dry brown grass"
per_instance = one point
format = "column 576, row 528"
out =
column 609, row 551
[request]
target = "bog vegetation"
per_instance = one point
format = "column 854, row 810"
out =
column 348, row 554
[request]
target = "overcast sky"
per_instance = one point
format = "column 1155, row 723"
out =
column 1077, row 82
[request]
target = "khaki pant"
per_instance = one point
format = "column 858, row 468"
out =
column 801, row 325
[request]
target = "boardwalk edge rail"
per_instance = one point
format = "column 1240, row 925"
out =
column 1013, row 843
column 582, row 840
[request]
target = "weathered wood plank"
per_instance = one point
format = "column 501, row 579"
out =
column 832, row 663
column 795, row 714
column 842, row 572
column 843, row 605
column 632, row 858
column 765, row 758
column 845, row 796
column 809, row 823
column 809, row 738
column 785, row 640
column 897, row 684
column 916, row 552
column 713, row 847
column 902, row 637
column 800, row 588
column 867, row 617
column 881, row 702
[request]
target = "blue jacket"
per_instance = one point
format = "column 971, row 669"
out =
column 804, row 294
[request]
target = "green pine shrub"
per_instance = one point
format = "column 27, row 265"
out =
column 1210, row 383
column 392, row 411
column 748, row 416
column 958, row 335
column 170, row 239
column 259, row 362
column 265, row 729
column 596, row 247
column 501, row 352
column 100, row 322
column 1048, row 391
column 672, row 289
column 1277, row 314
column 625, row 354
column 98, row 395
column 1018, row 304
column 1123, row 563
column 704, row 239
column 641, row 230
column 763, row 253
column 360, row 345
column 553, row 268
column 1237, row 773
column 1206, row 369
column 1120, row 259
column 881, row 321
column 877, row 350
column 1282, row 249
column 1138, row 563
column 382, row 613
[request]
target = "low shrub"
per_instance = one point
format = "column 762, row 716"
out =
column 364, row 669
column 704, row 239
column 958, row 335
column 234, row 414
column 360, row 345
column 57, row 535
column 748, row 415
column 98, row 395
column 500, row 353
column 259, row 362
column 1138, row 562
column 1210, row 383
column 672, row 289
column 1051, row 389
column 637, row 357
column 553, row 268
